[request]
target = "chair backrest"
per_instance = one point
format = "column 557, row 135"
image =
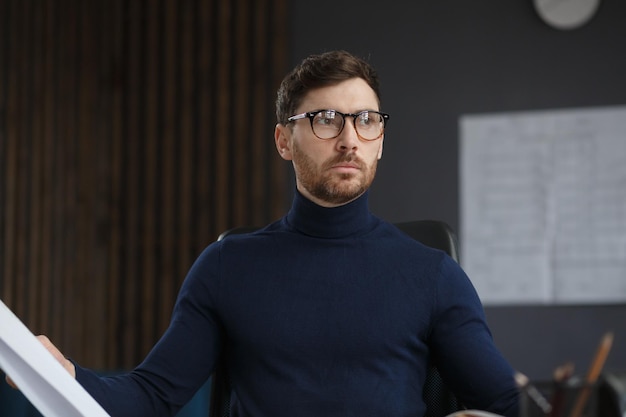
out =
column 439, row 400
column 433, row 233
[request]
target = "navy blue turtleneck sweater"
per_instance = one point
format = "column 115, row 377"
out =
column 326, row 312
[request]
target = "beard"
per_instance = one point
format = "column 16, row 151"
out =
column 331, row 187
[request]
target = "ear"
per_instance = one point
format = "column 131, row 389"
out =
column 282, row 139
column 380, row 150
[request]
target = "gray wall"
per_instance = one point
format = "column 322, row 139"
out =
column 440, row 59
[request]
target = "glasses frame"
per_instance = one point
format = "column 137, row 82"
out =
column 311, row 115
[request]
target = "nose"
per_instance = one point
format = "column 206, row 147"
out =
column 348, row 139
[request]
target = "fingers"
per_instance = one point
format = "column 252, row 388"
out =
column 10, row 382
column 68, row 365
column 56, row 353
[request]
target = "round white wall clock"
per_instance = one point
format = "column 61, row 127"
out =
column 566, row 14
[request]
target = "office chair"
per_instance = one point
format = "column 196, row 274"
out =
column 611, row 401
column 439, row 400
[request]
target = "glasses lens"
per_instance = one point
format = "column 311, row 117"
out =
column 327, row 124
column 369, row 125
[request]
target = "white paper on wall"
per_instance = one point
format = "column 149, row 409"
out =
column 543, row 205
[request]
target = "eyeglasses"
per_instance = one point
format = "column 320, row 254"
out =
column 328, row 124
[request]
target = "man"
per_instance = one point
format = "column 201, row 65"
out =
column 329, row 311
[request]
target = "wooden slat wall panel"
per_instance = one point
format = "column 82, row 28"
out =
column 131, row 135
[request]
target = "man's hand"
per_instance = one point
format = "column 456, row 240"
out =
column 69, row 366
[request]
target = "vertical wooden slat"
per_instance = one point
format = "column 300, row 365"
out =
column 263, row 132
column 223, row 134
column 80, row 182
column 24, row 136
column 239, row 139
column 132, row 185
column 12, row 110
column 70, row 264
column 5, row 28
column 205, row 205
column 169, row 151
column 35, row 295
column 151, row 245
column 101, row 155
column 91, row 191
column 48, row 137
column 84, row 179
column 102, row 127
column 186, row 135
column 57, row 272
column 117, row 277
column 276, row 37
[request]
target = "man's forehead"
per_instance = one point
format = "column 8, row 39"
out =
column 348, row 96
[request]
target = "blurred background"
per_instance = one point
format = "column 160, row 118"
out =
column 132, row 133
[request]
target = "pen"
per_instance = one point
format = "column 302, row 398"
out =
column 561, row 375
column 524, row 384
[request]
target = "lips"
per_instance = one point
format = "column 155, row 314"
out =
column 346, row 164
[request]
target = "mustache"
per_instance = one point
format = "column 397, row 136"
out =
column 348, row 158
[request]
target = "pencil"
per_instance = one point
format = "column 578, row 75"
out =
column 592, row 375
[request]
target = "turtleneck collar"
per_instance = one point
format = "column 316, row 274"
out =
column 311, row 219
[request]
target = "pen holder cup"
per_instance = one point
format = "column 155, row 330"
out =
column 574, row 398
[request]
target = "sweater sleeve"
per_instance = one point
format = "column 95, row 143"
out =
column 180, row 362
column 463, row 347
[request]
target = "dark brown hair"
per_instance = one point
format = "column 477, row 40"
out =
column 318, row 71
